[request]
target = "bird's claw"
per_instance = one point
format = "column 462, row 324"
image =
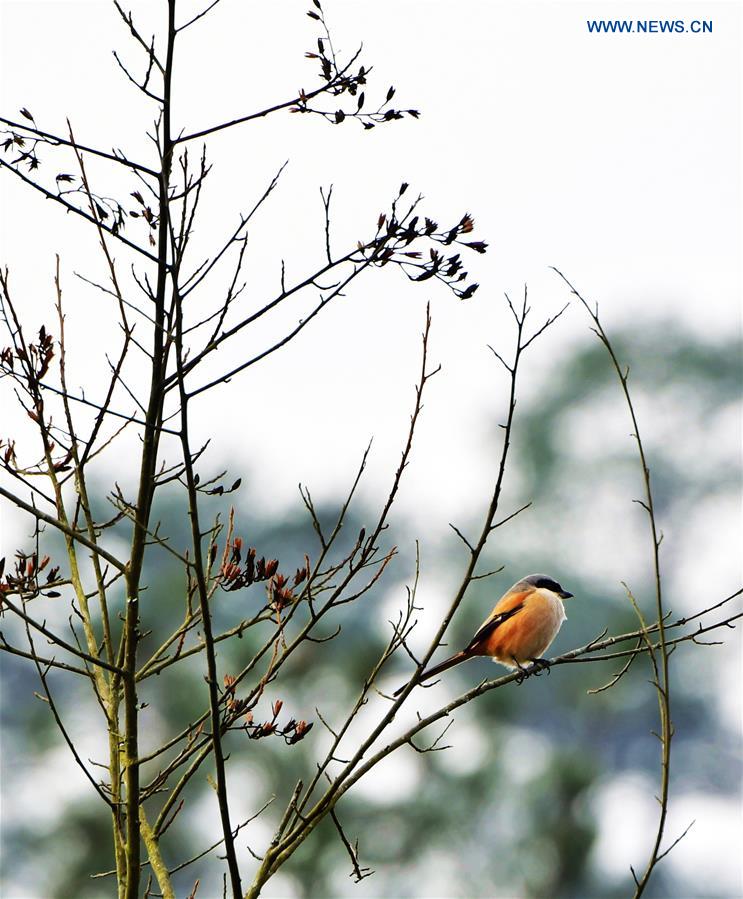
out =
column 523, row 672
column 537, row 667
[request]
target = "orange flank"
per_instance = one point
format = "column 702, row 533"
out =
column 527, row 634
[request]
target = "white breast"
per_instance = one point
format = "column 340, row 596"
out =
column 557, row 610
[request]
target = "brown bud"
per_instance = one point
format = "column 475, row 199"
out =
column 301, row 730
column 479, row 246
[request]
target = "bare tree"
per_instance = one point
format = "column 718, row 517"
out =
column 172, row 323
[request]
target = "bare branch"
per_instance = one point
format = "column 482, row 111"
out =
column 198, row 16
column 71, row 208
column 661, row 671
column 70, row 532
column 55, row 139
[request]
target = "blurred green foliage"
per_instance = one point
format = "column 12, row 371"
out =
column 518, row 818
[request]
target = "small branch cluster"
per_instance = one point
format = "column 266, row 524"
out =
column 34, row 357
column 396, row 232
column 338, row 79
column 292, row 731
column 25, row 147
column 236, row 577
column 24, row 579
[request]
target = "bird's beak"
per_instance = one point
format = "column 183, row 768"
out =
column 565, row 595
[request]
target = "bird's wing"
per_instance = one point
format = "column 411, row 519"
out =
column 505, row 609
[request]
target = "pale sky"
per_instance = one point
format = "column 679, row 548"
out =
column 613, row 157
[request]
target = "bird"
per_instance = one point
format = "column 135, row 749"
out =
column 520, row 629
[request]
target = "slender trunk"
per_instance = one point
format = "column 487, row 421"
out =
column 146, row 485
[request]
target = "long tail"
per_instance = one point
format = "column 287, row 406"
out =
column 438, row 669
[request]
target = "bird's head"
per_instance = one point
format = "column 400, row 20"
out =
column 542, row 582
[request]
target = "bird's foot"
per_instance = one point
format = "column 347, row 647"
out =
column 524, row 672
column 537, row 667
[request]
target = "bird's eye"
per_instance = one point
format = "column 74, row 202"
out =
column 548, row 584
